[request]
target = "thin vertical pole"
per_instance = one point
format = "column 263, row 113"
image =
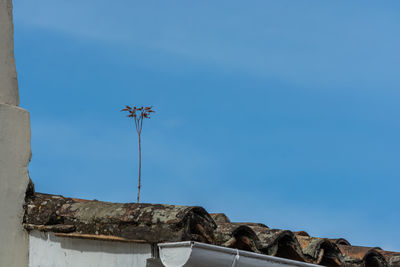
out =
column 140, row 165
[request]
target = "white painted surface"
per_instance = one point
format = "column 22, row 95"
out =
column 193, row 254
column 15, row 153
column 48, row 250
column 8, row 74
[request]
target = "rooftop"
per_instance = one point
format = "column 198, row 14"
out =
column 157, row 223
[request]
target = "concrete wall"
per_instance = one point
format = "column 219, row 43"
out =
column 15, row 151
column 48, row 250
column 14, row 158
column 8, row 75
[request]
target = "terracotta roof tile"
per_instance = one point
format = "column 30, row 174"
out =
column 392, row 258
column 363, row 256
column 155, row 223
column 301, row 233
column 340, row 241
column 321, row 250
column 220, row 217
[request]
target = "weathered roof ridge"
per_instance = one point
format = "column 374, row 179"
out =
column 152, row 222
column 156, row 223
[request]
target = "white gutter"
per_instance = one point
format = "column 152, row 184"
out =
column 193, row 254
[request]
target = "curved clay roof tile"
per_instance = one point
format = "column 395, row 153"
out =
column 321, row 251
column 301, row 233
column 363, row 256
column 154, row 223
column 392, row 258
column 279, row 243
column 220, row 218
column 340, row 241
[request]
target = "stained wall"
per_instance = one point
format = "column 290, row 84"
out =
column 15, row 151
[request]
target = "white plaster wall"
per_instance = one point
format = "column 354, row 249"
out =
column 15, row 151
column 48, row 250
column 14, row 158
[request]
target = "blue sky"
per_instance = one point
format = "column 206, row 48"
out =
column 280, row 112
